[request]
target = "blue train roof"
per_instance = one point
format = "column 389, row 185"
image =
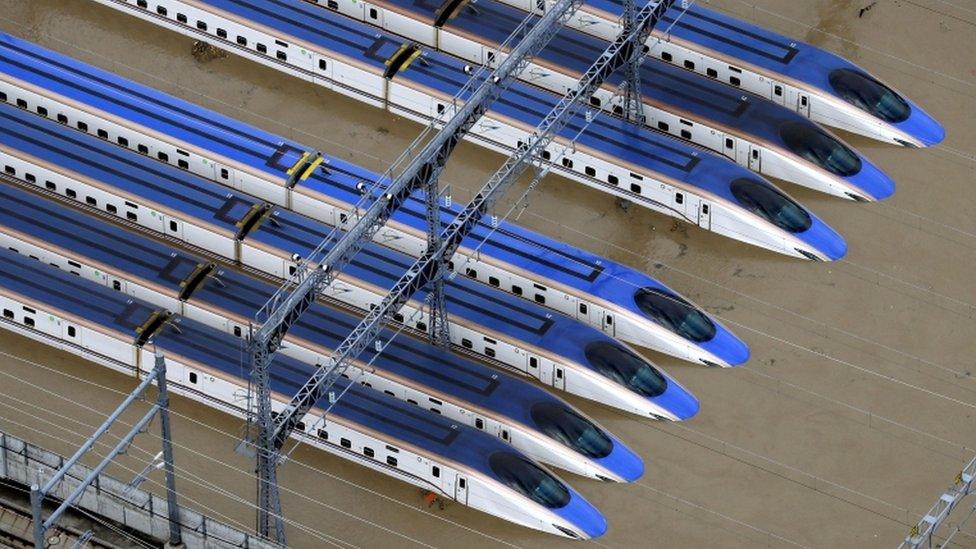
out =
column 207, row 346
column 187, row 122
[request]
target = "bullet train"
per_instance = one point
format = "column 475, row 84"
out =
column 611, row 297
column 125, row 186
column 765, row 137
column 814, row 82
column 613, row 156
column 366, row 427
column 538, row 424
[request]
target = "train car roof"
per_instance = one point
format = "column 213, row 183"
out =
column 57, row 289
column 264, row 151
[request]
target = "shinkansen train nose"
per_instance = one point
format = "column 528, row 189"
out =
column 583, row 515
column 872, row 181
column 623, row 462
column 828, row 243
column 923, row 127
column 677, row 402
column 727, row 347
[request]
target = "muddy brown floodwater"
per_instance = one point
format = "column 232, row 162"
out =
column 856, row 411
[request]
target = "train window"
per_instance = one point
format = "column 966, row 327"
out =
column 300, row 426
column 803, row 100
column 705, row 209
column 770, row 203
column 567, row 162
column 435, row 401
column 489, row 352
column 183, row 164
column 711, row 72
column 635, row 188
column 412, row 401
column 221, row 33
column 471, row 272
column 49, row 185
column 162, row 156
column 398, row 317
column 102, row 133
column 29, row 177
column 224, row 174
column 3, row 96
column 609, row 321
column 590, row 171
column 436, row 411
column 582, row 308
column 490, row 341
column 529, row 479
column 241, row 40
column 595, row 101
column 505, row 435
column 729, row 143
column 373, row 14
column 533, row 362
column 868, row 94
column 478, row 422
column 685, row 134
column 391, row 460
column 62, row 119
column 637, row 176
column 262, row 48
column 281, row 55
column 333, row 5
column 734, row 80
column 666, row 56
column 493, row 281
column 173, row 226
column 819, row 147
column 70, row 193
column 41, row 111
column 422, row 326
column 142, row 3
column 131, row 216
column 389, row 393
column 367, row 385
column 546, row 155
column 345, row 442
column 110, row 208
column 143, row 149
column 122, row 141
column 612, row 179
column 440, row 108
column 7, row 313
column 161, row 10
column 627, row 368
column 29, row 321
column 675, row 313
column 10, row 170
column 368, row 452
column 322, row 64
column 559, row 373
column 116, row 285
column 517, row 290
column 567, row 426
column 282, row 44
column 91, row 201
column 292, row 270
column 202, row 25
column 435, row 471
column 82, row 126
column 663, row 126
column 323, row 434
column 181, row 18
column 539, row 298
column 690, row 65
column 466, row 343
column 755, row 154
column 193, row 377
column 778, row 90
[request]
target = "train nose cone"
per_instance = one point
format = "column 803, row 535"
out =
column 727, row 347
column 584, row 516
column 677, row 402
column 828, row 242
column 623, row 462
column 923, row 127
column 873, row 182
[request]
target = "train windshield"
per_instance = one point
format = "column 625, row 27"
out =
column 529, row 479
column 626, row 368
column 819, row 147
column 771, row 204
column 867, row 94
column 675, row 314
column 573, row 430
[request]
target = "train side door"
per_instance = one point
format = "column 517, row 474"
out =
column 558, row 377
column 779, row 94
column 704, row 215
column 225, row 175
column 729, row 148
column 608, row 324
column 803, row 104
column 461, row 489
column 755, row 158
column 173, row 227
column 373, row 15
column 678, row 201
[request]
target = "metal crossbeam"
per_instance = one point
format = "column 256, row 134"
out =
column 633, row 102
column 335, row 252
column 430, row 266
column 923, row 532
